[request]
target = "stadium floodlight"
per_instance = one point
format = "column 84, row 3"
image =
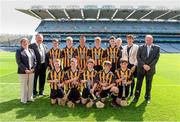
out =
column 37, row 7
column 55, row 7
column 108, row 7
column 90, row 7
column 73, row 7
column 161, row 8
column 126, row 7
column 143, row 7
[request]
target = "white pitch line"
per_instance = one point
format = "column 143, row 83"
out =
column 9, row 83
column 166, row 85
column 7, row 74
column 153, row 85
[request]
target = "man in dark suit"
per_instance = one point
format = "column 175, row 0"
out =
column 40, row 51
column 147, row 56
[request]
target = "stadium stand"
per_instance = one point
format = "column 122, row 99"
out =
column 10, row 42
column 91, row 21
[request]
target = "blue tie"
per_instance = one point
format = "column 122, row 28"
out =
column 148, row 50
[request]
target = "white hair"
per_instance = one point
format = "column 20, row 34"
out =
column 119, row 39
column 150, row 36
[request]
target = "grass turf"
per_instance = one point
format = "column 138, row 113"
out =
column 165, row 103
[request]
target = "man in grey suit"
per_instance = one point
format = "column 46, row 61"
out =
column 147, row 56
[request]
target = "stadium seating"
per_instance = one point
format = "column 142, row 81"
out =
column 163, row 32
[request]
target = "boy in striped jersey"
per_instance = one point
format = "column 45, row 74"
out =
column 106, row 82
column 124, row 80
column 68, row 53
column 88, row 82
column 55, row 78
column 112, row 53
column 82, row 54
column 53, row 54
column 97, row 54
column 71, row 80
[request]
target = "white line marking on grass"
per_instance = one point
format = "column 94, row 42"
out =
column 166, row 85
column 7, row 74
column 153, row 85
column 8, row 83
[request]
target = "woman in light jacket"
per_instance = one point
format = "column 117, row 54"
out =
column 26, row 61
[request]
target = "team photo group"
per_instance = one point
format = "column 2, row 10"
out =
column 87, row 76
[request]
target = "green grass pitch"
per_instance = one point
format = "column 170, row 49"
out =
column 165, row 103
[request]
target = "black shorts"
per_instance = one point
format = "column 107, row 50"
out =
column 98, row 68
column 104, row 93
column 59, row 93
column 74, row 95
column 86, row 93
column 120, row 95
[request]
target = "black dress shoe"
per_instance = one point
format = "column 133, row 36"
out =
column 41, row 94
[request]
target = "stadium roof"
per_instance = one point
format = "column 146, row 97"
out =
column 106, row 12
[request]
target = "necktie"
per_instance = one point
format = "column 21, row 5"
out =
column 148, row 50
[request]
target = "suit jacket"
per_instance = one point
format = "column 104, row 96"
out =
column 36, row 51
column 132, row 54
column 151, row 60
column 23, row 61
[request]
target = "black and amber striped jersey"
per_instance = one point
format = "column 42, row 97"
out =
column 97, row 55
column 112, row 54
column 82, row 57
column 52, row 56
column 69, row 74
column 127, row 75
column 90, row 76
column 67, row 54
column 104, row 77
column 55, row 75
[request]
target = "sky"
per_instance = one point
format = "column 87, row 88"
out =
column 15, row 22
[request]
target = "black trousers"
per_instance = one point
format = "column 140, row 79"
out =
column 40, row 72
column 149, row 78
